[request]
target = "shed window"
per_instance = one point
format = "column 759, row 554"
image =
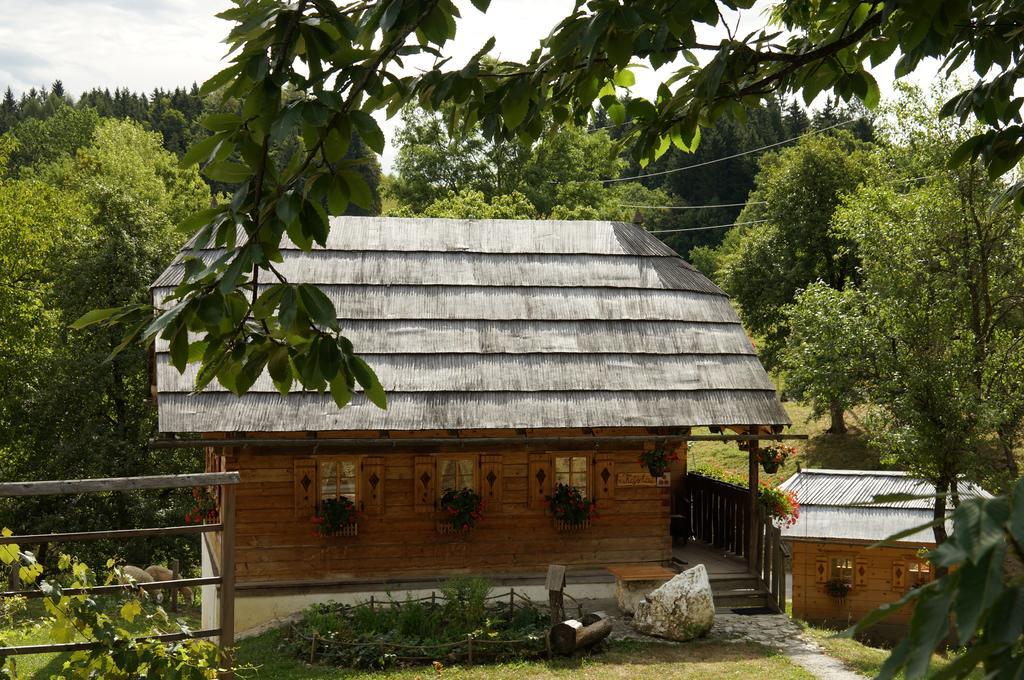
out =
column 841, row 568
column 918, row 573
column 337, row 478
column 572, row 471
column 456, row 473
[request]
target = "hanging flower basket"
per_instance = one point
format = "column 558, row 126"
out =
column 657, row 461
column 463, row 509
column 571, row 511
column 336, row 517
column 773, row 457
column 837, row 588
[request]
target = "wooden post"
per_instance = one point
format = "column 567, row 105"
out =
column 227, row 584
column 175, row 575
column 511, row 603
column 754, row 514
column 469, row 645
column 555, row 585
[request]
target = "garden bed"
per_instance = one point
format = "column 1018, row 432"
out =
column 462, row 623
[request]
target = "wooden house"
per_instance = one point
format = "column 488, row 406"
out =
column 517, row 355
column 838, row 576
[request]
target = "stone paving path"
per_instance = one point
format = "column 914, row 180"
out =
column 776, row 631
column 779, row 632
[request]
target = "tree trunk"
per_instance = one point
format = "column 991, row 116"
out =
column 1006, row 447
column 838, row 425
column 939, row 530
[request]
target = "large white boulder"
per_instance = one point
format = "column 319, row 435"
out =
column 682, row 609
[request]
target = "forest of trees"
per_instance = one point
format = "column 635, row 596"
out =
column 91, row 194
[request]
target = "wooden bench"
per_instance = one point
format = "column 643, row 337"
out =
column 634, row 581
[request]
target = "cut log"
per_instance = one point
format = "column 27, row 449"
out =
column 588, row 636
column 569, row 637
column 563, row 636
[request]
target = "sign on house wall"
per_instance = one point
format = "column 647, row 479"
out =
column 642, row 479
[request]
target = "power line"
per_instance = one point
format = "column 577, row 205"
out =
column 713, row 226
column 717, row 160
column 692, row 207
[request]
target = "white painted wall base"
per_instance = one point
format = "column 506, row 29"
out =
column 256, row 613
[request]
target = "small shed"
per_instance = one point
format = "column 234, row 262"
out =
column 517, row 355
column 831, row 543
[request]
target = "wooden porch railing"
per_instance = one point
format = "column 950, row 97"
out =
column 719, row 513
column 720, row 516
column 225, row 528
column 769, row 562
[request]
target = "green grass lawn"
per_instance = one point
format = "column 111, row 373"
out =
column 821, row 450
column 624, row 659
column 864, row 658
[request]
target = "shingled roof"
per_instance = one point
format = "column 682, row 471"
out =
column 504, row 324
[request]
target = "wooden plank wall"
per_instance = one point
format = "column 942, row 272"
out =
column 871, row 589
column 397, row 538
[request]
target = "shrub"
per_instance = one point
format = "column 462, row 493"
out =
column 409, row 632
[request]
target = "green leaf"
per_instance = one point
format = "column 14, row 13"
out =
column 94, row 316
column 197, row 220
column 289, row 207
column 221, row 122
column 340, row 391
column 219, row 79
column 368, row 381
column 179, row 348
column 481, row 5
column 624, row 78
column 515, row 105
column 368, row 130
column 317, row 305
column 268, row 301
column 337, row 196
column 335, row 146
column 200, row 151
column 288, row 310
column 359, row 191
column 228, row 172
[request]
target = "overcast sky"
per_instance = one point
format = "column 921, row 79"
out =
column 143, row 44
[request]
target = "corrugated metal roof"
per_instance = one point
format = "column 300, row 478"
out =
column 504, row 323
column 845, row 488
column 861, row 524
column 832, row 504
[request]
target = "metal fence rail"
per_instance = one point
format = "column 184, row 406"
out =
column 225, row 528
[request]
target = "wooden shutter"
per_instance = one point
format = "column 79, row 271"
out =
column 820, row 570
column 860, row 572
column 423, row 481
column 371, row 484
column 490, row 481
column 541, row 480
column 899, row 574
column 304, row 480
column 604, row 479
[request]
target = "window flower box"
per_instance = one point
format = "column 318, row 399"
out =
column 567, row 526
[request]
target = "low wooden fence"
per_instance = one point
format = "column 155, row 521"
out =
column 469, row 649
column 225, row 528
column 719, row 513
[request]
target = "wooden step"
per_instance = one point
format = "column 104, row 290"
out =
column 741, row 599
column 726, row 582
